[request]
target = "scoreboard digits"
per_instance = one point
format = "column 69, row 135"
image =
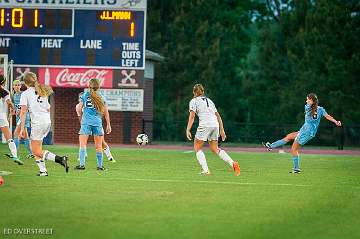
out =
column 110, row 37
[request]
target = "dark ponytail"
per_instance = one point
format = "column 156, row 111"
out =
column 314, row 106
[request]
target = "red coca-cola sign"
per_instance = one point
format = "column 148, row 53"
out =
column 75, row 77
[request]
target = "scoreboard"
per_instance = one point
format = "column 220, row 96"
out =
column 108, row 36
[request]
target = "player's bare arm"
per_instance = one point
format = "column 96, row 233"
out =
column 221, row 125
column 190, row 124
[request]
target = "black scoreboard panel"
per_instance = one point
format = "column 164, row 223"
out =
column 108, row 38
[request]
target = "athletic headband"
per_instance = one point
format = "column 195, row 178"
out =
column 16, row 82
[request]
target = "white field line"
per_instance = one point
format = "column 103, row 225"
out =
column 180, row 181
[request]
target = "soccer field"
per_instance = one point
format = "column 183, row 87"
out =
column 156, row 194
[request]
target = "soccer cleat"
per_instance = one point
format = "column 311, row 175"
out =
column 101, row 168
column 42, row 174
column 112, row 160
column 267, row 145
column 80, row 167
column 64, row 162
column 236, row 168
column 18, row 161
column 295, row 171
column 205, row 173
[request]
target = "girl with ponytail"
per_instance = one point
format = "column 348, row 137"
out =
column 313, row 115
column 210, row 128
column 93, row 109
column 35, row 101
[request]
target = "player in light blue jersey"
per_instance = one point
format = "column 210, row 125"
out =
column 93, row 109
column 16, row 99
column 313, row 115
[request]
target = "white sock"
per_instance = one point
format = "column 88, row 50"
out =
column 47, row 155
column 12, row 147
column 41, row 164
column 108, row 153
column 202, row 160
column 224, row 156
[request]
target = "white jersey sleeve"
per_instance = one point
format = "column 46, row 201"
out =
column 24, row 99
column 212, row 105
column 192, row 105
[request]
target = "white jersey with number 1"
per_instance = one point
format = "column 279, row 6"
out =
column 39, row 107
column 205, row 109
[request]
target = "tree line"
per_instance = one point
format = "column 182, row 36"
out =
column 257, row 59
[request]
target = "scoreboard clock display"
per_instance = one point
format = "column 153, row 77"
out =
column 73, row 37
column 36, row 22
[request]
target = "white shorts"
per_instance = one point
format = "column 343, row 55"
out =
column 4, row 122
column 39, row 132
column 207, row 133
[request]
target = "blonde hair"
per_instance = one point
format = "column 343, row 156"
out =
column 31, row 80
column 198, row 90
column 94, row 85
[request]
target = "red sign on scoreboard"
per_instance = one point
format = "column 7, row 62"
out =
column 75, row 77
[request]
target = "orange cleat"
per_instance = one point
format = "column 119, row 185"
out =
column 236, row 168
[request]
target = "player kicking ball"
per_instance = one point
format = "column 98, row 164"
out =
column 313, row 115
column 210, row 126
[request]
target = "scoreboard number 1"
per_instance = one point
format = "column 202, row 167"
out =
column 17, row 17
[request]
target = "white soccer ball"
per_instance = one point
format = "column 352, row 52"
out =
column 142, row 139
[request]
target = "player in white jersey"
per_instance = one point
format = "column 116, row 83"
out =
column 210, row 126
column 105, row 146
column 5, row 102
column 35, row 100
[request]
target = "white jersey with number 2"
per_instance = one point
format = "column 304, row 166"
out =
column 205, row 109
column 38, row 106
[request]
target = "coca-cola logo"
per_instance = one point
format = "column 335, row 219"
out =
column 66, row 78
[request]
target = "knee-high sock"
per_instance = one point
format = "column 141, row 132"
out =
column 47, row 155
column 82, row 153
column 296, row 161
column 12, row 148
column 278, row 143
column 99, row 157
column 27, row 145
column 41, row 164
column 108, row 152
column 224, row 156
column 202, row 160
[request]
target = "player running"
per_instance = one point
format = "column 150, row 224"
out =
column 35, row 100
column 210, row 123
column 93, row 108
column 313, row 115
column 5, row 102
column 16, row 99
column 105, row 146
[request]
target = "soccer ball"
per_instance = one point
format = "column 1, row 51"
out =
column 142, row 139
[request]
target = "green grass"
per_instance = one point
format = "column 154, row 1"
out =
column 159, row 194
